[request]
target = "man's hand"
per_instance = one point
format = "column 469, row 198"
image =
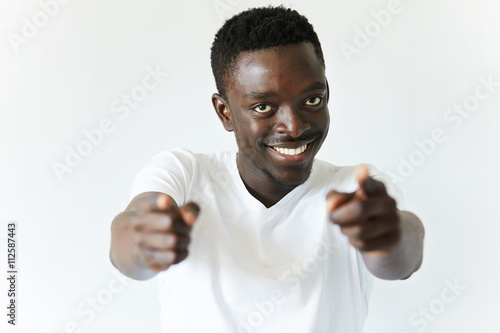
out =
column 152, row 234
column 161, row 231
column 368, row 217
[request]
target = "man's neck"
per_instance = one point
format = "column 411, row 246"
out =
column 261, row 186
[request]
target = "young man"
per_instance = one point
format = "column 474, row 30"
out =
column 278, row 241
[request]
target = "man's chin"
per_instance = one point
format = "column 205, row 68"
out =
column 290, row 182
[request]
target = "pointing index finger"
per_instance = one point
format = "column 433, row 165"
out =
column 367, row 185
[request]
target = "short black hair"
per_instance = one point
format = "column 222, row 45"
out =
column 256, row 29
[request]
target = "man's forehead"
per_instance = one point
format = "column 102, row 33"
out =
column 275, row 56
column 291, row 64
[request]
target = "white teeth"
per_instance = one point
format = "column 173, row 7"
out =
column 290, row 151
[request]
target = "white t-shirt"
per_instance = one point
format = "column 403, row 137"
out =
column 257, row 269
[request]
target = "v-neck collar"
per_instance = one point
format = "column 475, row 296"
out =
column 253, row 202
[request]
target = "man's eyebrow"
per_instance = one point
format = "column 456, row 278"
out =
column 315, row 86
column 260, row 95
column 267, row 94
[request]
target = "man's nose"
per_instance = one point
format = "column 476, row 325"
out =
column 291, row 122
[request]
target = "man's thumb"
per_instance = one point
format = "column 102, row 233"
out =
column 189, row 212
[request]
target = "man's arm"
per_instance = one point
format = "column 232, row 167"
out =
column 151, row 235
column 405, row 257
column 390, row 240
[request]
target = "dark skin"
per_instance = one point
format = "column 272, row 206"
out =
column 277, row 98
column 152, row 234
column 276, row 106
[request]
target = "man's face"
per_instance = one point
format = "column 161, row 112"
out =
column 277, row 107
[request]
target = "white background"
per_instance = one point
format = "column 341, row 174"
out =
column 65, row 77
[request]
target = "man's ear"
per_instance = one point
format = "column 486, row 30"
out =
column 222, row 109
column 327, row 91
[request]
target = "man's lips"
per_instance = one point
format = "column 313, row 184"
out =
column 294, row 144
column 291, row 148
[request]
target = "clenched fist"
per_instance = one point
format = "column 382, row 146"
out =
column 368, row 217
column 162, row 231
column 152, row 234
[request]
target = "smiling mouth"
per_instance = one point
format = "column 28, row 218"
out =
column 291, row 151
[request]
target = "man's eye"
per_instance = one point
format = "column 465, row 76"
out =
column 313, row 101
column 263, row 108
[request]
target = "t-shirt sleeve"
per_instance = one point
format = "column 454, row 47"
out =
column 170, row 172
